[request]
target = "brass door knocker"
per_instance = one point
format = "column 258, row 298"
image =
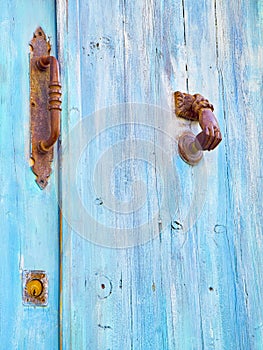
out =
column 196, row 108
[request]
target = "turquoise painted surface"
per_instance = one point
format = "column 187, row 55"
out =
column 184, row 289
column 28, row 216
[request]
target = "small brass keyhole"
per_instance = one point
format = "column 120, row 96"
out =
column 34, row 288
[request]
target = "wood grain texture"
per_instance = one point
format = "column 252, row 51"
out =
column 199, row 289
column 29, row 216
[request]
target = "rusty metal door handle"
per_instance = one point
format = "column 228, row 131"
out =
column 54, row 100
column 196, row 108
column 45, row 106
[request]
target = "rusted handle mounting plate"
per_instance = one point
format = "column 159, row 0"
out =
column 40, row 120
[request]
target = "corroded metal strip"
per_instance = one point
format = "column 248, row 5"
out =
column 40, row 119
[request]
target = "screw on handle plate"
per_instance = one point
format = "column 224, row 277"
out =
column 196, row 108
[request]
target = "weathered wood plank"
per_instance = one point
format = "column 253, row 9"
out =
column 241, row 43
column 29, row 216
column 184, row 289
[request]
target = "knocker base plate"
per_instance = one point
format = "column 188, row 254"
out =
column 185, row 149
column 40, row 121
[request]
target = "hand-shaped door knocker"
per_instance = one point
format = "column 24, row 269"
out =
column 196, row 108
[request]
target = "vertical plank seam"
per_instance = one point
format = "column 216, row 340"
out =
column 185, row 45
column 58, row 6
column 124, row 52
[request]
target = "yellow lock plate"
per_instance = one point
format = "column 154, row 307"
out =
column 35, row 288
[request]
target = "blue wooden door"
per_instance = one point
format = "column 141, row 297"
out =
column 159, row 254
column 156, row 254
column 29, row 216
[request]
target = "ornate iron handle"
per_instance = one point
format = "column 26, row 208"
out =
column 196, row 108
column 44, row 125
column 54, row 101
